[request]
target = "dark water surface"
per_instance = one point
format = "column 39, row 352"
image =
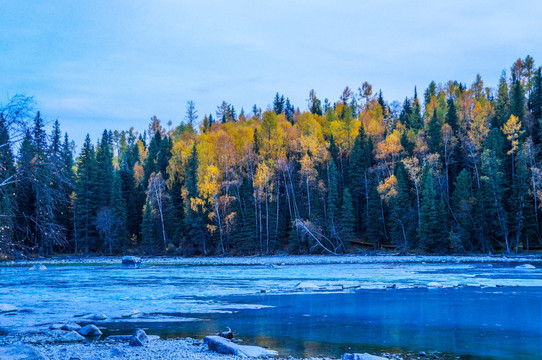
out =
column 491, row 323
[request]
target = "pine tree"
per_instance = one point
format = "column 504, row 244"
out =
column 104, row 162
column 348, row 218
column 332, row 194
column 502, row 104
column 118, row 208
column 85, row 192
column 430, row 222
column 462, row 202
column 403, row 215
column 451, row 116
column 359, row 180
column 434, row 134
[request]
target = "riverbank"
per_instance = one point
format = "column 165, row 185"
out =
column 171, row 349
column 281, row 260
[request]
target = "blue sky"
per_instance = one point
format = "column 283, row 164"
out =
column 114, row 64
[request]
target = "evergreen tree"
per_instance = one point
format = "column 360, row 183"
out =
column 86, row 202
column 462, row 202
column 104, row 164
column 434, row 134
column 278, row 104
column 502, row 104
column 348, row 218
column 332, row 194
column 430, row 223
column 451, row 116
column 360, row 162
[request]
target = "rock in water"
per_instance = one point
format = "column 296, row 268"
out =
column 306, row 285
column 131, row 262
column 90, row 330
column 526, row 267
column 364, row 356
column 224, row 346
column 71, row 336
column 139, row 338
column 20, row 352
column 70, row 327
column 4, row 308
column 37, row 267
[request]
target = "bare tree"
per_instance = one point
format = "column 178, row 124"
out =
column 159, row 199
column 108, row 224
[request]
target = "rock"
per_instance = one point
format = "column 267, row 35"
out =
column 140, row 338
column 434, row 284
column 364, row 356
column 96, row 317
column 422, row 353
column 131, row 261
column 116, row 352
column 71, row 336
column 37, row 267
column 5, row 308
column 70, row 327
column 131, row 313
column 526, row 267
column 56, row 326
column 306, row 285
column 224, row 346
column 20, row 352
column 90, row 330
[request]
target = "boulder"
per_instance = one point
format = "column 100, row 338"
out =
column 526, row 267
column 90, row 330
column 20, row 352
column 131, row 261
column 4, row 308
column 71, row 336
column 37, row 267
column 224, row 346
column 306, row 285
column 139, row 338
column 364, row 356
column 56, row 326
column 70, row 327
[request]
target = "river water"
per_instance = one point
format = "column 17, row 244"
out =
column 482, row 311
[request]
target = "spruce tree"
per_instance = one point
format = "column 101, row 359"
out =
column 86, row 201
column 429, row 213
column 348, row 218
column 434, row 134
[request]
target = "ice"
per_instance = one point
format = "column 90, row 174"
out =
column 180, row 288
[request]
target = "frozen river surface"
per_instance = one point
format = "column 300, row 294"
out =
column 485, row 310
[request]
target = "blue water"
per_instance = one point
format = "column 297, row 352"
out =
column 471, row 322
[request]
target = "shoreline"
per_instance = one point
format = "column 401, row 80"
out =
column 279, row 260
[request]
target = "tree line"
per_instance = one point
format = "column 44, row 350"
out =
column 453, row 170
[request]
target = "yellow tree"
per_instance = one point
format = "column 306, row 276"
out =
column 513, row 131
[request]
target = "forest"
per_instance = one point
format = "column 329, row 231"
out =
column 456, row 169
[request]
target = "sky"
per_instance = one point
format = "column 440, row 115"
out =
column 114, row 64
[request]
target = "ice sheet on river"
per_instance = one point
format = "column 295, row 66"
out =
column 176, row 291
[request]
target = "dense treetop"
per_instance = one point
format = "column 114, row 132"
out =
column 455, row 169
